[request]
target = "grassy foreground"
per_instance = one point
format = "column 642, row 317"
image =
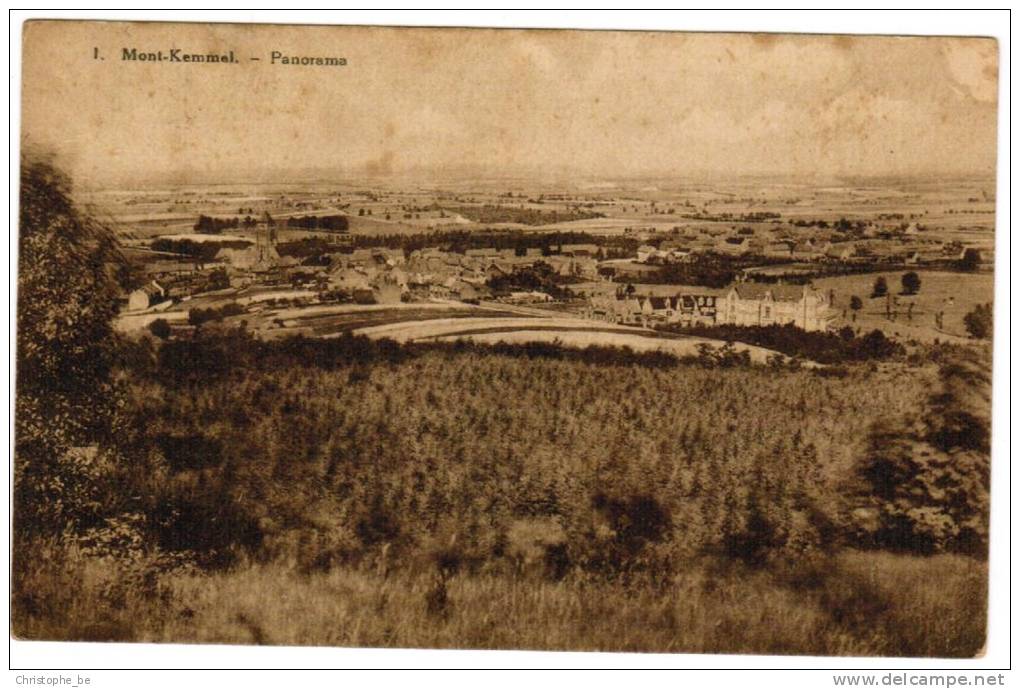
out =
column 853, row 604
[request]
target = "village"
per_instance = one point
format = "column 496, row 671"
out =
column 757, row 273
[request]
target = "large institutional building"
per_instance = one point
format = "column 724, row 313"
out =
column 747, row 304
column 754, row 304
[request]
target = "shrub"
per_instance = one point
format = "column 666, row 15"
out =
column 924, row 484
column 911, row 283
column 979, row 321
column 199, row 316
column 622, row 530
column 160, row 328
column 822, row 347
column 970, row 261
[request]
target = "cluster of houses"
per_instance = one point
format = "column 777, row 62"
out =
column 745, row 304
column 907, row 248
column 368, row 275
column 437, row 273
column 383, row 275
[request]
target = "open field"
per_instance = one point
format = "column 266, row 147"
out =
column 334, row 309
column 442, row 327
column 195, row 237
column 961, row 210
column 134, row 322
column 338, row 323
column 570, row 332
column 681, row 347
column 955, row 294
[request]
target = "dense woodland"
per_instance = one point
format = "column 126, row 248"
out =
column 347, row 491
column 324, row 223
column 710, row 270
column 461, row 240
column 208, row 225
column 201, row 251
column 491, row 213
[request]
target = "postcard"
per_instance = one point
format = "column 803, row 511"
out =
column 562, row 340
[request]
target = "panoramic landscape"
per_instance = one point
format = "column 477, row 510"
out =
column 565, row 392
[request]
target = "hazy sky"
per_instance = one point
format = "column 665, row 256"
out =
column 593, row 104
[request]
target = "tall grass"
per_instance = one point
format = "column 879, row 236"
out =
column 862, row 604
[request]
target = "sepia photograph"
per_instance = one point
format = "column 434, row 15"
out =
column 663, row 342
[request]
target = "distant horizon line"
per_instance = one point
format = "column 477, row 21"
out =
column 322, row 176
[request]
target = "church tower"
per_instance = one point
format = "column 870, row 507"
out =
column 265, row 242
column 266, row 233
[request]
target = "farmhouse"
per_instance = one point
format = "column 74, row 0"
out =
column 393, row 257
column 805, row 251
column 349, row 279
column 645, row 252
column 497, row 269
column 465, row 291
column 673, row 252
column 168, row 269
column 145, row 296
column 567, row 266
column 760, row 305
column 925, row 256
column 840, row 252
column 736, row 246
column 387, row 291
column 618, row 308
column 527, row 297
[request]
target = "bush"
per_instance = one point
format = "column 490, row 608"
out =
column 970, row 261
column 821, row 347
column 199, row 316
column 620, row 535
column 160, row 328
column 924, row 483
column 209, row 225
column 979, row 321
column 725, row 356
column 911, row 283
